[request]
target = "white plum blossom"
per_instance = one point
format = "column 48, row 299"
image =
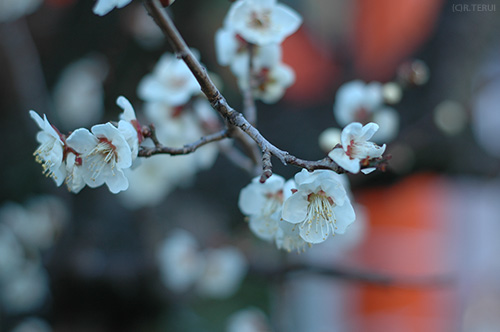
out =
column 228, row 45
column 173, row 123
column 357, row 101
column 50, row 153
column 129, row 126
column 356, row 149
column 231, row 49
column 79, row 92
column 262, row 22
column 271, row 82
column 74, row 173
column 180, row 262
column 171, row 82
column 102, row 7
column 225, row 268
column 320, row 206
column 262, row 203
column 104, row 154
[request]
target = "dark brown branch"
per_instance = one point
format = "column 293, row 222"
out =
column 367, row 277
column 216, row 99
column 149, row 132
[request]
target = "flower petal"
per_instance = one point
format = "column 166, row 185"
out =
column 295, row 208
column 344, row 215
column 117, row 182
column 82, row 141
column 251, row 199
column 339, row 156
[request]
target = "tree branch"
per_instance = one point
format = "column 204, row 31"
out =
column 149, row 132
column 218, row 101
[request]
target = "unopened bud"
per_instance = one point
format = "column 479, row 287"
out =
column 413, row 73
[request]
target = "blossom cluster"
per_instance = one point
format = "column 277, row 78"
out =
column 308, row 209
column 91, row 158
column 365, row 103
column 212, row 272
column 299, row 212
column 181, row 115
column 250, row 43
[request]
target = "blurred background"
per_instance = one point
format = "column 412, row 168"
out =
column 425, row 254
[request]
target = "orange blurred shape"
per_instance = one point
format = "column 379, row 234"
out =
column 407, row 239
column 388, row 31
column 314, row 67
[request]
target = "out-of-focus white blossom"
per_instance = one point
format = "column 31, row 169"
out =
column 357, row 101
column 288, row 237
column 231, row 49
column 38, row 224
column 154, row 178
column 102, row 7
column 79, row 94
column 271, row 82
column 450, row 117
column 392, row 92
column 215, row 273
column 32, row 324
column 50, row 153
column 228, row 46
column 248, row 320
column 262, row 22
column 485, row 115
column 171, row 82
column 329, row 138
column 356, row 148
column 180, row 262
column 145, row 31
column 225, row 268
column 104, row 154
column 11, row 252
column 173, row 123
column 262, row 203
column 320, row 206
column 13, row 9
column 25, row 290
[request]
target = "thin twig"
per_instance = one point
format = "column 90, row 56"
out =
column 237, row 158
column 149, row 132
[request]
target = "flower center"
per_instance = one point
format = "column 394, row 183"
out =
column 273, row 203
column 102, row 156
column 320, row 216
column 362, row 115
column 260, row 20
